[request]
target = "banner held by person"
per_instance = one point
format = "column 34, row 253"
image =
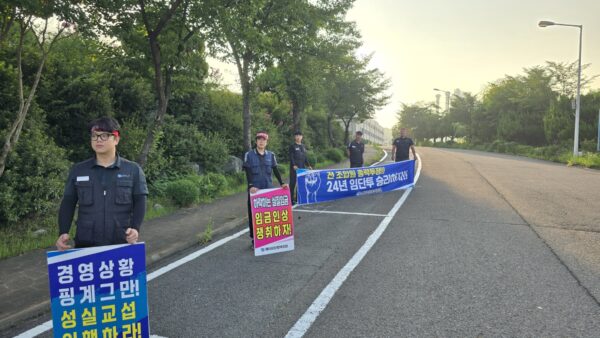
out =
column 316, row 186
column 99, row 291
column 272, row 221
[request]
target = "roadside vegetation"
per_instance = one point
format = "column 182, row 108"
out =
column 65, row 63
column 530, row 114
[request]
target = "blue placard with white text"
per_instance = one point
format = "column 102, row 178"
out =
column 316, row 186
column 99, row 291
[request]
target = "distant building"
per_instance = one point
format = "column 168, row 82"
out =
column 371, row 130
column 388, row 136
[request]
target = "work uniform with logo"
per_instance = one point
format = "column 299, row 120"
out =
column 111, row 199
column 357, row 150
column 298, row 158
column 259, row 169
column 402, row 145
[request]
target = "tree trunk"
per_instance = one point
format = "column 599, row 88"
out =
column 162, row 89
column 246, row 113
column 346, row 132
column 330, row 131
column 296, row 112
column 15, row 131
column 163, row 100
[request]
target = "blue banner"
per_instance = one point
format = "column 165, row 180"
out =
column 316, row 186
column 99, row 291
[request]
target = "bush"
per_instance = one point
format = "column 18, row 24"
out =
column 184, row 192
column 209, row 185
column 334, row 154
column 184, row 144
column 133, row 136
column 212, row 184
column 35, row 174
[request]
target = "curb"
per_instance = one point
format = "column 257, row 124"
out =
column 181, row 246
column 151, row 259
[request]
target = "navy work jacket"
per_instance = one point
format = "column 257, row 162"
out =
column 260, row 167
column 105, row 198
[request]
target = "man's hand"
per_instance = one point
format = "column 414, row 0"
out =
column 285, row 186
column 295, row 167
column 132, row 235
column 253, row 190
column 61, row 242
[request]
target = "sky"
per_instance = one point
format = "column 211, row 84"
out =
column 464, row 44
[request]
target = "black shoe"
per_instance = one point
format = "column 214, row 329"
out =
column 252, row 243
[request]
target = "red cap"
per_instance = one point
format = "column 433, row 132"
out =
column 263, row 135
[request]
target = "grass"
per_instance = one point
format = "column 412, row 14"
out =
column 206, row 236
column 552, row 153
column 588, row 160
column 379, row 154
column 19, row 239
column 14, row 242
column 166, row 208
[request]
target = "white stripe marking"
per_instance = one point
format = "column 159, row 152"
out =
column 315, row 309
column 338, row 212
column 36, row 330
column 194, row 255
column 382, row 159
column 48, row 325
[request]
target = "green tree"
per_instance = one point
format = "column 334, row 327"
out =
column 29, row 26
column 461, row 113
column 360, row 92
column 564, row 77
column 519, row 103
column 252, row 34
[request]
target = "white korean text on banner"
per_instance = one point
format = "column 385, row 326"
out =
column 316, row 186
column 272, row 221
column 99, row 291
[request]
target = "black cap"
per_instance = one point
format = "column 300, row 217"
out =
column 297, row 132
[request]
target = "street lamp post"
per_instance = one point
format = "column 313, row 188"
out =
column 578, row 97
column 447, row 98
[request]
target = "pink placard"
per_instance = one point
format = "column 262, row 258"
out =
column 272, row 221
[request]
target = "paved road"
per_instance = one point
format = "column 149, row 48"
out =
column 485, row 245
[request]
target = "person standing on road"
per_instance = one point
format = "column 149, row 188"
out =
column 298, row 160
column 260, row 164
column 401, row 147
column 109, row 190
column 356, row 149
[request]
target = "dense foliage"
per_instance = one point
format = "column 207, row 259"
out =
column 535, row 109
column 145, row 63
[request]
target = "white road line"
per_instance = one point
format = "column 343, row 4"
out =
column 382, row 159
column 48, row 325
column 36, row 330
column 338, row 212
column 194, row 255
column 308, row 318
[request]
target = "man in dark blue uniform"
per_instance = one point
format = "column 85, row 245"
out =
column 356, row 150
column 260, row 164
column 110, row 191
column 298, row 160
column 401, row 147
